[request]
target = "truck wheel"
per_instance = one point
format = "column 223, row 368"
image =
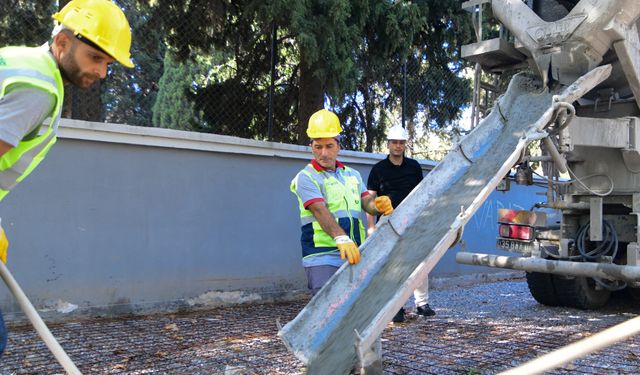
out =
column 542, row 288
column 580, row 292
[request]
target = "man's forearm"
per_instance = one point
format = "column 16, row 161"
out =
column 326, row 220
column 369, row 206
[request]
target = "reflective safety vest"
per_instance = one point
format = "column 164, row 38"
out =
column 342, row 200
column 33, row 67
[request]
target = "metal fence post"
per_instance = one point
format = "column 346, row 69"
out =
column 274, row 35
column 404, row 93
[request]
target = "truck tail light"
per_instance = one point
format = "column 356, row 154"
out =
column 521, row 232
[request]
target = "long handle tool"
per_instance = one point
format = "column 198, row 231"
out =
column 37, row 322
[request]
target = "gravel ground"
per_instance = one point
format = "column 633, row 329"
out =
column 480, row 329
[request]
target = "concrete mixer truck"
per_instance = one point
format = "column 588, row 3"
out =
column 589, row 246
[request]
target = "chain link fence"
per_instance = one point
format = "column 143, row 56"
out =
column 252, row 87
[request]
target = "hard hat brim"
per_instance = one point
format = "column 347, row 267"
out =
column 323, row 135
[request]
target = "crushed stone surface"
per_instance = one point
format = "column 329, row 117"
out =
column 480, row 329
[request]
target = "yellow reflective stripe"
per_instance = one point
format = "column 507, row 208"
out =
column 304, row 213
column 12, row 75
column 27, row 162
column 337, row 214
column 321, row 238
column 39, row 156
column 13, row 158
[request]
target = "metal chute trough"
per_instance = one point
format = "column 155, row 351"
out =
column 340, row 325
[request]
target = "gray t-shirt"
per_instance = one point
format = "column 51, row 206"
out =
column 22, row 110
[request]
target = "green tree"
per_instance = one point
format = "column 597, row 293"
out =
column 427, row 36
column 233, row 99
column 436, row 87
column 173, row 108
column 346, row 53
column 26, row 22
column 129, row 94
column 387, row 36
column 29, row 23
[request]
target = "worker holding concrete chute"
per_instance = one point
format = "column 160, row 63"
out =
column 89, row 35
column 331, row 198
column 396, row 176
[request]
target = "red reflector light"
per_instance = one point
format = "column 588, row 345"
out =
column 521, row 232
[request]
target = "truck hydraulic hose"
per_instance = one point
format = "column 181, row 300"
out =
column 37, row 322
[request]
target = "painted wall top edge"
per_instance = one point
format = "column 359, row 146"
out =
column 171, row 138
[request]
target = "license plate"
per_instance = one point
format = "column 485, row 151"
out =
column 508, row 244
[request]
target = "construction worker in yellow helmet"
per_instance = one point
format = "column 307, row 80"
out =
column 89, row 35
column 331, row 197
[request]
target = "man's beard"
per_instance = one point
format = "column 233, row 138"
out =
column 70, row 71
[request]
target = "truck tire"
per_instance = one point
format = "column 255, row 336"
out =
column 542, row 288
column 580, row 292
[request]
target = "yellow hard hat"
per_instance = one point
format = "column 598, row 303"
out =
column 102, row 23
column 324, row 124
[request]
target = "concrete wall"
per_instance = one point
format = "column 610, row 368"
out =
column 122, row 219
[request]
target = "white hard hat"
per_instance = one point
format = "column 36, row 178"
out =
column 397, row 132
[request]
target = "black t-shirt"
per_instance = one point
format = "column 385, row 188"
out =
column 396, row 181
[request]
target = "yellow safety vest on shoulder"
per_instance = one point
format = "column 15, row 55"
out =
column 342, row 200
column 33, row 67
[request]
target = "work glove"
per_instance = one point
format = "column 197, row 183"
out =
column 4, row 245
column 348, row 249
column 383, row 205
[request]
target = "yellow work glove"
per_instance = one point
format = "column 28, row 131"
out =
column 383, row 205
column 348, row 249
column 4, row 245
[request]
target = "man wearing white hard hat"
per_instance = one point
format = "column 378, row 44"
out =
column 396, row 176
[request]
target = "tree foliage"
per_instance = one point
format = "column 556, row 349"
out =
column 127, row 96
column 349, row 53
column 427, row 38
column 26, row 22
column 130, row 94
column 173, row 109
column 205, row 65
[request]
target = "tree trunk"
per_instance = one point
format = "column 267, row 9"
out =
column 310, row 99
column 369, row 111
